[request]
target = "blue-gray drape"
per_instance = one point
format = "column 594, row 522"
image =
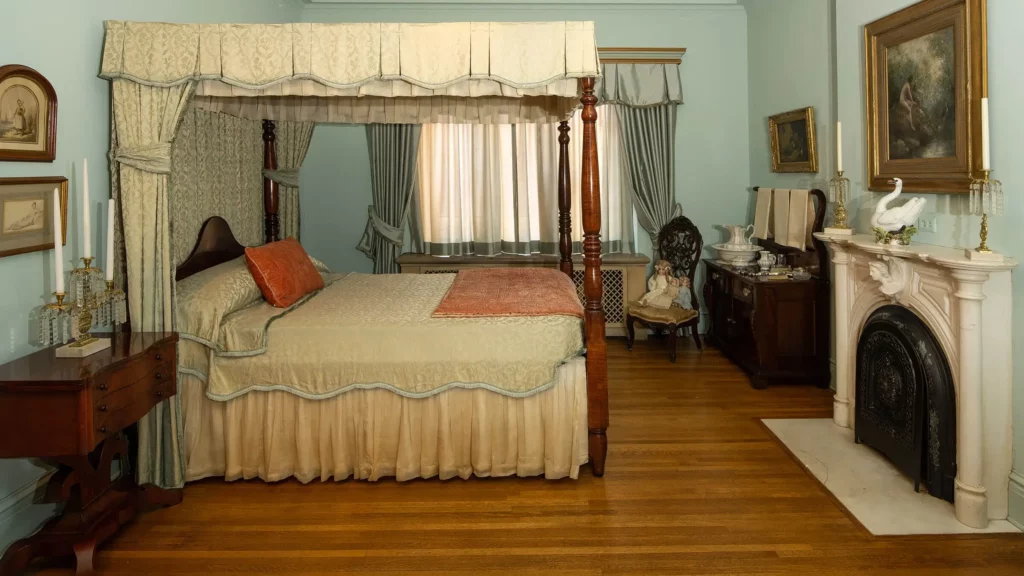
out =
column 393, row 149
column 649, row 137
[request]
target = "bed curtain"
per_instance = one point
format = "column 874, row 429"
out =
column 146, row 119
column 393, row 150
column 292, row 143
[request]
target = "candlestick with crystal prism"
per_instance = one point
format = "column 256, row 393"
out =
column 839, row 191
column 986, row 198
column 53, row 321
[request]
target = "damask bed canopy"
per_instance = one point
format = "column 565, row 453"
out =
column 476, row 72
column 473, row 72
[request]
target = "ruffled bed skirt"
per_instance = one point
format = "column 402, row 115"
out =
column 373, row 434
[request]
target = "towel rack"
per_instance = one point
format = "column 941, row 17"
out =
column 817, row 245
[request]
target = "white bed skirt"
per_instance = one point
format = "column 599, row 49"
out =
column 373, row 434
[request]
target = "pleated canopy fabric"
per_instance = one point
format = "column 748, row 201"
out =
column 507, row 60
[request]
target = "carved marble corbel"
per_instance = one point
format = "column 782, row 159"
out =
column 892, row 275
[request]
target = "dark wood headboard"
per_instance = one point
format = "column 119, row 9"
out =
column 216, row 245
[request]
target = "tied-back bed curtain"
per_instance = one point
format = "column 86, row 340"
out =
column 146, row 119
column 648, row 95
column 292, row 143
column 393, row 150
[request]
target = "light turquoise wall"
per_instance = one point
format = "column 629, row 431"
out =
column 70, row 59
column 955, row 227
column 789, row 66
column 712, row 142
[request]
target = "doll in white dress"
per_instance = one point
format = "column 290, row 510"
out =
column 662, row 288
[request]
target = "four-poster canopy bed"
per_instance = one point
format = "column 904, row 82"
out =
column 355, row 73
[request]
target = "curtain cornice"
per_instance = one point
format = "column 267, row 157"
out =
column 640, row 85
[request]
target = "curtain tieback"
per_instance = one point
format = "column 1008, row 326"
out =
column 155, row 158
column 284, row 176
column 374, row 225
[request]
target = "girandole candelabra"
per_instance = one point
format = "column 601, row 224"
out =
column 93, row 302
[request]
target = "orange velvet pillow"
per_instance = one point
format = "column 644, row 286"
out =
column 283, row 271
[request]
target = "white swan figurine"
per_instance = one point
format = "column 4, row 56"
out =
column 893, row 219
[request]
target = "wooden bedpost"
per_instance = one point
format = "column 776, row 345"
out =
column 564, row 200
column 597, row 360
column 271, row 222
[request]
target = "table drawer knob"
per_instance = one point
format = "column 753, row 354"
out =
column 103, row 429
column 103, row 408
column 746, row 291
column 103, row 387
column 159, row 357
column 159, row 376
column 159, row 394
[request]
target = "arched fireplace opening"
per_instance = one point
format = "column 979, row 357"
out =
column 905, row 399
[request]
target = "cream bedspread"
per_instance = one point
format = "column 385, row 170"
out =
column 376, row 331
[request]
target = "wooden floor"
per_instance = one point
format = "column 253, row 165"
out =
column 694, row 485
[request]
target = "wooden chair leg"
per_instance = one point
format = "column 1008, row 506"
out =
column 630, row 332
column 696, row 338
column 673, row 334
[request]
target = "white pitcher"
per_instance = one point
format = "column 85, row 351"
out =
column 739, row 235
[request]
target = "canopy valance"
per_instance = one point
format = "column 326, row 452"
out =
column 378, row 59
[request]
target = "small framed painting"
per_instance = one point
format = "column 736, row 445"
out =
column 26, row 214
column 793, row 147
column 926, row 74
column 28, row 116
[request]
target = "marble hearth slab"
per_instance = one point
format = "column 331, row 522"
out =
column 867, row 484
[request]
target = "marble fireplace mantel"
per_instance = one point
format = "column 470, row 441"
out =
column 966, row 304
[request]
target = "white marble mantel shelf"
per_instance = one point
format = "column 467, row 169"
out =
column 964, row 302
column 928, row 253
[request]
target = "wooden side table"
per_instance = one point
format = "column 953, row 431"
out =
column 78, row 414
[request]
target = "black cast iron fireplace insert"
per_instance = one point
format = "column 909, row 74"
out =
column 906, row 402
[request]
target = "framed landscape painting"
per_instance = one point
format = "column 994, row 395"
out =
column 26, row 214
column 793, row 146
column 926, row 74
column 28, row 116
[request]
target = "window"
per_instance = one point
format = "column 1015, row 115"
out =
column 494, row 189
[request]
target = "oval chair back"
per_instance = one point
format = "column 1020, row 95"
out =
column 680, row 243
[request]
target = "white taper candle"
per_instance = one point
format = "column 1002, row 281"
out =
column 86, row 228
column 839, row 146
column 58, row 243
column 109, row 270
column 986, row 156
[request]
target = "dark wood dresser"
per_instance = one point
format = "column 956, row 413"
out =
column 79, row 415
column 776, row 330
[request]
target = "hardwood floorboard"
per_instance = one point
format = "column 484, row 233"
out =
column 694, row 485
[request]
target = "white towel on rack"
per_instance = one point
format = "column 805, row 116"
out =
column 780, row 213
column 763, row 214
column 801, row 215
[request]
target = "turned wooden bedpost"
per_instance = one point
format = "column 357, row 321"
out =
column 564, row 201
column 597, row 360
column 271, row 222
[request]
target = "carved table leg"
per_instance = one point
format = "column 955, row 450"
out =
column 84, row 551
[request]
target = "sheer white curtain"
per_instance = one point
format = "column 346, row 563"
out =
column 494, row 189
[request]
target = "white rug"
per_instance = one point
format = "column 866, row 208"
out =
column 867, row 484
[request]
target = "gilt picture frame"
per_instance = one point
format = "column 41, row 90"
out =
column 26, row 214
column 793, row 141
column 28, row 116
column 925, row 74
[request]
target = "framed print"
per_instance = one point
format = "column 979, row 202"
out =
column 792, row 136
column 28, row 116
column 26, row 214
column 925, row 76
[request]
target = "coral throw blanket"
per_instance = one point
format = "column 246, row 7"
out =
column 510, row 292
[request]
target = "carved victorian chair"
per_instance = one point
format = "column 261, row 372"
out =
column 680, row 243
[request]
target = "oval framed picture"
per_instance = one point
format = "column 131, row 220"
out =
column 28, row 116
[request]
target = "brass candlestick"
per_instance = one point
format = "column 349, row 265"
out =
column 839, row 190
column 986, row 198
